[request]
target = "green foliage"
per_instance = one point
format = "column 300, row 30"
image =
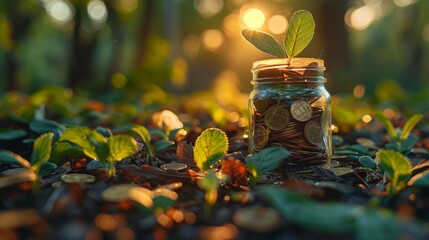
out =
column 210, row 147
column 368, row 162
column 161, row 145
column 96, row 146
column 410, row 125
column 62, row 150
column 266, row 160
column 44, row 126
column 6, row 134
column 11, row 158
column 210, row 184
column 120, row 147
column 364, row 222
column 42, row 148
column 264, row 42
column 299, row 34
column 397, row 167
column 401, row 140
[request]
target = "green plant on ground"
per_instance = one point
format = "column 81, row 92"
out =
column 98, row 147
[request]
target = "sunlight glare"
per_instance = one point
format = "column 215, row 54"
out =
column 208, row 8
column 97, row 10
column 277, row 24
column 212, row 39
column 404, row 3
column 60, row 11
column 253, row 18
column 360, row 18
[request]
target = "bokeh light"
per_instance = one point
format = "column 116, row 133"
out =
column 360, row 18
column 60, row 11
column 97, row 11
column 119, row 80
column 212, row 39
column 277, row 24
column 208, row 8
column 404, row 3
column 253, row 18
column 359, row 91
column 231, row 23
column 191, row 46
column 126, row 6
column 366, row 118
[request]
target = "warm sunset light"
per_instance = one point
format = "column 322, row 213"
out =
column 277, row 24
column 253, row 18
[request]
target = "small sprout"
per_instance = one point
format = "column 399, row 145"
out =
column 299, row 34
column 210, row 147
column 396, row 166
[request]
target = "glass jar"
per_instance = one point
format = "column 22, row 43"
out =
column 290, row 107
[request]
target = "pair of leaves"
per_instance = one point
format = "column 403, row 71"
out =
column 397, row 167
column 299, row 34
column 406, row 130
column 96, row 146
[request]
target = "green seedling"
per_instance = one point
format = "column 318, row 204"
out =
column 299, row 34
column 210, row 147
column 401, row 140
column 397, row 168
column 39, row 164
column 98, row 147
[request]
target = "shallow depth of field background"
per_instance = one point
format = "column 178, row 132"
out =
column 376, row 49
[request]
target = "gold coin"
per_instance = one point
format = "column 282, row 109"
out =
column 173, row 166
column 301, row 111
column 78, row 178
column 277, row 117
column 260, row 137
column 313, row 132
column 117, row 193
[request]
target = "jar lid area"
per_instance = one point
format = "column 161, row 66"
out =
column 286, row 62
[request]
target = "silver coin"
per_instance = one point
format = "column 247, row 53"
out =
column 301, row 111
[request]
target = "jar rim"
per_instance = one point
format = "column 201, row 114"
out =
column 289, row 63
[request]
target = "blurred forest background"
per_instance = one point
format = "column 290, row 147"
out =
column 375, row 48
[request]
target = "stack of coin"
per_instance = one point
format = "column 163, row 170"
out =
column 291, row 118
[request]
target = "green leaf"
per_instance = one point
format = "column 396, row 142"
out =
column 312, row 215
column 210, row 147
column 409, row 125
column 106, row 132
column 264, row 42
column 266, row 160
column 62, row 150
column 43, row 126
column 6, row 134
column 10, row 158
column 388, row 125
column 47, row 168
column 42, row 148
column 367, row 162
column 93, row 143
column 209, row 182
column 395, row 165
column 145, row 136
column 120, row 147
column 161, row 145
column 377, row 224
column 299, row 33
